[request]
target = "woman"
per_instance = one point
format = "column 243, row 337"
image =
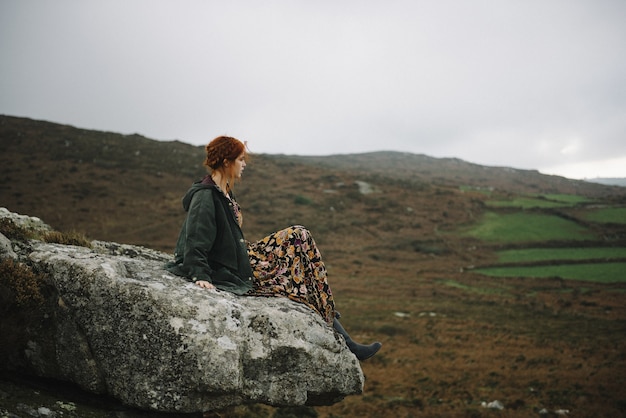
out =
column 212, row 252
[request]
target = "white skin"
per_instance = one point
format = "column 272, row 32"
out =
column 230, row 171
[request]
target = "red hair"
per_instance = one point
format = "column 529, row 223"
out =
column 221, row 149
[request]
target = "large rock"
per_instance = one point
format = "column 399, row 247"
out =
column 116, row 323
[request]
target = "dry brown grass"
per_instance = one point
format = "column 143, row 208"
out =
column 528, row 345
column 67, row 238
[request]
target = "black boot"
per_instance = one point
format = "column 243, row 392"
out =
column 362, row 352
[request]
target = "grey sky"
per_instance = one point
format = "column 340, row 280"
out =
column 537, row 84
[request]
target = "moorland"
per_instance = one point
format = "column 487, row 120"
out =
column 483, row 283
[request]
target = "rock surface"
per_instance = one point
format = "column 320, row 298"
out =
column 116, row 323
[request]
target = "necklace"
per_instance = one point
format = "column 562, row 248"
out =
column 224, row 186
column 234, row 205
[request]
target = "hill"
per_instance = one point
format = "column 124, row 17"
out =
column 454, row 172
column 127, row 188
column 390, row 226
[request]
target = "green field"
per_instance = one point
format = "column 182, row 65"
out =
column 534, row 228
column 540, row 201
column 545, row 254
column 527, row 227
column 571, row 199
column 607, row 215
column 594, row 272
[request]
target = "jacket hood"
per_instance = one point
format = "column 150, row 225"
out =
column 205, row 183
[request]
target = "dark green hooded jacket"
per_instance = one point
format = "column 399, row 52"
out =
column 211, row 246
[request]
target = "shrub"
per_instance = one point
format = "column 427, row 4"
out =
column 390, row 330
column 302, row 200
column 19, row 285
column 14, row 232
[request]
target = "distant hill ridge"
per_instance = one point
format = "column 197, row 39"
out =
column 57, row 141
column 609, row 181
column 420, row 168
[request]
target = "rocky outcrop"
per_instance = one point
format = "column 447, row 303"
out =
column 115, row 322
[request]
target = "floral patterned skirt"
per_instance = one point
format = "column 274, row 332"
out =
column 288, row 263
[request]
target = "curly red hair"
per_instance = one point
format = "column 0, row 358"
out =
column 222, row 149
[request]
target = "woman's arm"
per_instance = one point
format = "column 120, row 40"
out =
column 201, row 230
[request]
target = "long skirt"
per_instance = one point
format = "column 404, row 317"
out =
column 288, row 263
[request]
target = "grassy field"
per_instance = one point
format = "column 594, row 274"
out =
column 540, row 201
column 571, row 199
column 598, row 264
column 592, row 272
column 543, row 254
column 614, row 215
column 527, row 227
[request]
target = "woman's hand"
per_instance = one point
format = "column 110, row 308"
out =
column 205, row 284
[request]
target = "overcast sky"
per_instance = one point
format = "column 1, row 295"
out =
column 531, row 84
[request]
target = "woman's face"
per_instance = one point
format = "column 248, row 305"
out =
column 237, row 167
